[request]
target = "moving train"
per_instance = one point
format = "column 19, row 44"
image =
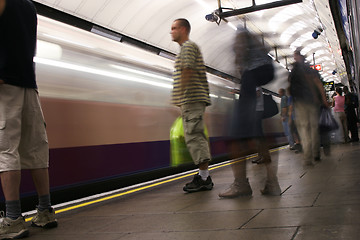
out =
column 108, row 113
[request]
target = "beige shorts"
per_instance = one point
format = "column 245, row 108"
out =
column 23, row 139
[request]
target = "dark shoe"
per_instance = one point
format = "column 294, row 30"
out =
column 237, row 189
column 317, row 159
column 198, row 184
column 264, row 160
column 293, row 147
column 261, row 160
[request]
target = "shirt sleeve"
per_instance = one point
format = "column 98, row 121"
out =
column 188, row 56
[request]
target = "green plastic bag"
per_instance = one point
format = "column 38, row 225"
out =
column 178, row 150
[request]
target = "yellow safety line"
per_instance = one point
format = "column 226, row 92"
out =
column 149, row 186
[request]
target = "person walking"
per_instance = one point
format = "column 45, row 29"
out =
column 292, row 124
column 351, row 103
column 308, row 95
column 23, row 139
column 256, row 69
column 191, row 94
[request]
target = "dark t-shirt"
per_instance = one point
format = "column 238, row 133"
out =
column 302, row 84
column 18, row 43
column 351, row 101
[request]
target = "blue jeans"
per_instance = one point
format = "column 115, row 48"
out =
column 286, row 128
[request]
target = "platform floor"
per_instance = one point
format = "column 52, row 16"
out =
column 319, row 203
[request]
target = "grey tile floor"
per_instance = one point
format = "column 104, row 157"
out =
column 319, row 203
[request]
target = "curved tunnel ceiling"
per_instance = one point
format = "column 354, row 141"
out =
column 285, row 28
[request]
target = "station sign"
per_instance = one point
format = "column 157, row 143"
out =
column 329, row 86
column 317, row 67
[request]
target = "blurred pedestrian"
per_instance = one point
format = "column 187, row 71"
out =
column 256, row 69
column 351, row 103
column 339, row 110
column 284, row 114
column 23, row 139
column 308, row 94
column 292, row 124
column 191, row 94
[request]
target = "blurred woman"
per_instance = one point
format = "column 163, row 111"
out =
column 256, row 70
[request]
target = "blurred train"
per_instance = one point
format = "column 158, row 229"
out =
column 108, row 113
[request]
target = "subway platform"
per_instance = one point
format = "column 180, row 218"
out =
column 319, row 203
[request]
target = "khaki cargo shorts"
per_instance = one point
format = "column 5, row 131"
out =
column 196, row 141
column 23, row 139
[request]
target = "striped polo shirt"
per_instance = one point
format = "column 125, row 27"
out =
column 197, row 89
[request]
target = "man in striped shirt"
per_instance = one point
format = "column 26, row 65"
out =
column 191, row 94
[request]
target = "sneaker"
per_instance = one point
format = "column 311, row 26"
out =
column 237, row 189
column 198, row 184
column 13, row 229
column 45, row 219
column 271, row 188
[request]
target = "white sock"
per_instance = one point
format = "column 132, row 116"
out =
column 204, row 174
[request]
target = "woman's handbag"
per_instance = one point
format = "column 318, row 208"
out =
column 270, row 106
column 327, row 122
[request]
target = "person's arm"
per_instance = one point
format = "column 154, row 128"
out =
column 241, row 50
column 2, row 6
column 321, row 89
column 348, row 99
column 283, row 108
column 284, row 113
column 186, row 74
column 290, row 110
